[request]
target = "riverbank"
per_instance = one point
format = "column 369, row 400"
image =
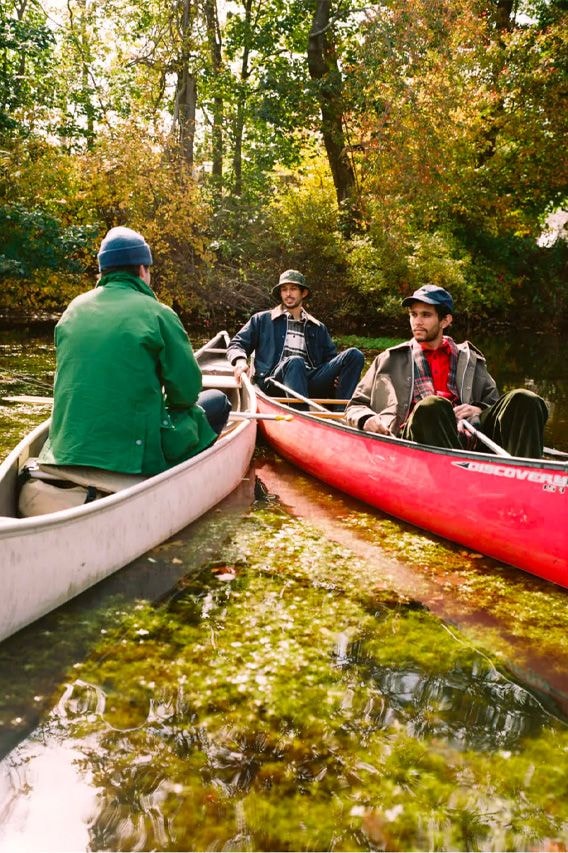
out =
column 462, row 326
column 533, row 361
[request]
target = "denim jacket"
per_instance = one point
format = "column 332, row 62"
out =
column 264, row 335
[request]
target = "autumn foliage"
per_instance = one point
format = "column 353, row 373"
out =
column 375, row 148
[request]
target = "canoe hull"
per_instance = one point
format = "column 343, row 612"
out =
column 47, row 560
column 513, row 510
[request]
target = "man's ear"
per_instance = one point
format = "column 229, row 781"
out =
column 304, row 291
column 447, row 321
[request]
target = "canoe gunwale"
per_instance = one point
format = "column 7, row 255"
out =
column 35, row 523
column 312, row 418
column 20, row 454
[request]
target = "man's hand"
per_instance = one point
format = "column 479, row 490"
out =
column 240, row 367
column 374, row 425
column 465, row 412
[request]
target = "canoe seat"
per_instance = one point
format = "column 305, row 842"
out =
column 82, row 475
column 39, row 497
column 50, row 488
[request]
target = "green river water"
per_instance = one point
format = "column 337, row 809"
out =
column 295, row 671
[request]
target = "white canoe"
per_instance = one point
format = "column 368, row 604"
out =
column 48, row 559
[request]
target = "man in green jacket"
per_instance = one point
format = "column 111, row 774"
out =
column 127, row 393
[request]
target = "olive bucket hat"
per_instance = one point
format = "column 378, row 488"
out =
column 290, row 277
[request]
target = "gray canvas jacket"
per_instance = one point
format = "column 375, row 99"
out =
column 387, row 388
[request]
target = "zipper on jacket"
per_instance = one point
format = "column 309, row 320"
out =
column 409, row 409
column 464, row 373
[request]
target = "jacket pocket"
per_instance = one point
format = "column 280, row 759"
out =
column 180, row 437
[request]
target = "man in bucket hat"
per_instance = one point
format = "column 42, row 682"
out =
column 421, row 389
column 127, row 393
column 294, row 348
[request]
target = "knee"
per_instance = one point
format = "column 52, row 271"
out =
column 215, row 402
column 294, row 362
column 526, row 399
column 354, row 357
column 431, row 408
column 224, row 402
column 521, row 394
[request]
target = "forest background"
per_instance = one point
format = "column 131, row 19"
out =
column 372, row 146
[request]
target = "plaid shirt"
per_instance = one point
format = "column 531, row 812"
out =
column 423, row 382
column 295, row 342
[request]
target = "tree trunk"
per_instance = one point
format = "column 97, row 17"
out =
column 82, row 45
column 215, row 50
column 241, row 104
column 186, row 89
column 184, row 115
column 503, row 18
column 323, row 66
column 503, row 15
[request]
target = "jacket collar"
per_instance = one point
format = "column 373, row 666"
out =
column 279, row 311
column 128, row 279
column 465, row 347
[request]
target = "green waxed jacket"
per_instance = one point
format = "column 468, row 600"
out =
column 126, row 383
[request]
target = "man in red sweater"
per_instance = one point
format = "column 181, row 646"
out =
column 421, row 389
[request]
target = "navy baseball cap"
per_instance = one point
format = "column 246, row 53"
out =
column 432, row 295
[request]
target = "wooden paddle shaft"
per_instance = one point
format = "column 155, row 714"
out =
column 326, row 401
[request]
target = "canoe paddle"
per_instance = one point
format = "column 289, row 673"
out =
column 253, row 416
column 259, row 416
column 247, row 384
column 549, row 451
column 295, row 394
column 500, row 451
column 496, row 448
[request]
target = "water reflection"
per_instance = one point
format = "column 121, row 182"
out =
column 291, row 693
column 536, row 363
column 285, row 709
column 471, row 710
column 34, row 661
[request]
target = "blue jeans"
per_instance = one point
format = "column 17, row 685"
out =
column 336, row 378
column 216, row 407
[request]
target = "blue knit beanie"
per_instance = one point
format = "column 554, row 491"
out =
column 123, row 247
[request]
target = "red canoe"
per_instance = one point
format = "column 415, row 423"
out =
column 511, row 509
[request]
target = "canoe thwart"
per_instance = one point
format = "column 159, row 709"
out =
column 326, row 401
